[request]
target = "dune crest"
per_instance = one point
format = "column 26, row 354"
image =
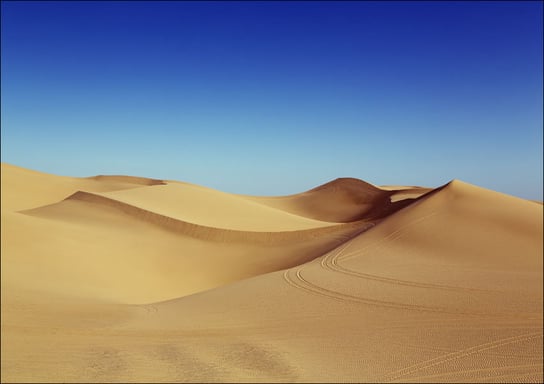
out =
column 128, row 179
column 342, row 200
column 25, row 189
column 191, row 229
column 210, row 207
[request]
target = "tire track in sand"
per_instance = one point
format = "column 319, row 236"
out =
column 294, row 278
column 491, row 370
column 458, row 355
column 331, row 262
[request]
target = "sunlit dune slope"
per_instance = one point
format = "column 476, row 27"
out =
column 24, row 188
column 127, row 279
column 209, row 207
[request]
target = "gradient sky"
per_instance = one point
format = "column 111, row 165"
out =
column 275, row 98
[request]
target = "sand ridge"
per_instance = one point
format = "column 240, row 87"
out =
column 342, row 200
column 98, row 201
column 123, row 279
column 25, row 188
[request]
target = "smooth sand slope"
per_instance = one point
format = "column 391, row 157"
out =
column 131, row 279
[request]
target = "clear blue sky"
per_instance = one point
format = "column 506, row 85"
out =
column 277, row 97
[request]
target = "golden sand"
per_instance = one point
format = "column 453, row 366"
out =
column 116, row 278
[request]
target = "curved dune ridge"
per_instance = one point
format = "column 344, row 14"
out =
column 152, row 246
column 128, row 279
column 25, row 189
column 342, row 200
column 196, row 230
column 195, row 204
column 128, row 179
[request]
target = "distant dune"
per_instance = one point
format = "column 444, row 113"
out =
column 131, row 279
column 342, row 200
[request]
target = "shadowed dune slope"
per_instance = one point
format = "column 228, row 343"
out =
column 404, row 193
column 341, row 200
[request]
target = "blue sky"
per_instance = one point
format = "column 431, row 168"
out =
column 275, row 98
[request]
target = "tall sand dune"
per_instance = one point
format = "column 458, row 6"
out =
column 126, row 279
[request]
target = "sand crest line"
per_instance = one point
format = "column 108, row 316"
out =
column 211, row 233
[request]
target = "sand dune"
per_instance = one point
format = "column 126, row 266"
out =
column 127, row 179
column 157, row 257
column 195, row 204
column 24, row 189
column 97, row 203
column 342, row 200
column 131, row 279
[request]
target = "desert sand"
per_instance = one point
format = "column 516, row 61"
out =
column 130, row 279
